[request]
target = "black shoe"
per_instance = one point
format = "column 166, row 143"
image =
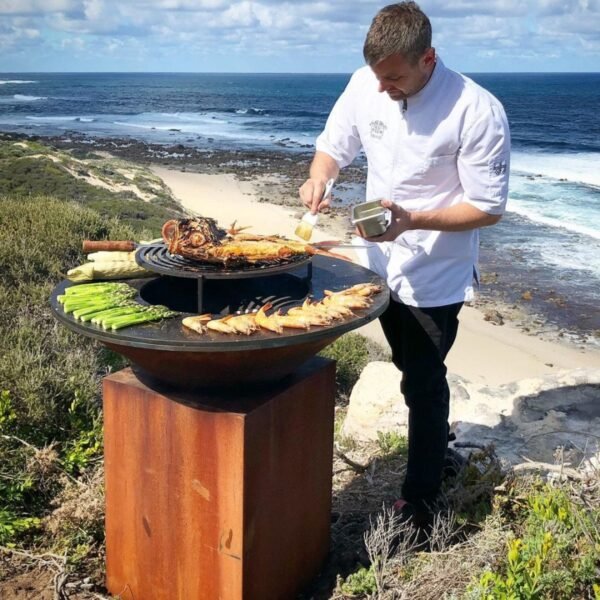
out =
column 409, row 513
column 421, row 523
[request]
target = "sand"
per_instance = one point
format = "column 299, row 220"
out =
column 227, row 199
column 483, row 352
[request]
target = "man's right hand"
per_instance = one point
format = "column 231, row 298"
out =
column 311, row 194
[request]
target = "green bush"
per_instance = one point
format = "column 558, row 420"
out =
column 392, row 443
column 360, row 583
column 553, row 553
column 23, row 172
column 50, row 410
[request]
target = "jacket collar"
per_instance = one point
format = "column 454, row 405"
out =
column 429, row 88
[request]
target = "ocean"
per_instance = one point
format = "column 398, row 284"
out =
column 548, row 245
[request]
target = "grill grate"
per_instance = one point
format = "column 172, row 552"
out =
column 156, row 257
column 224, row 297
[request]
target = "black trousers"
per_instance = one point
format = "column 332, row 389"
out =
column 420, row 339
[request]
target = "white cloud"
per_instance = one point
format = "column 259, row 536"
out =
column 496, row 28
column 37, row 7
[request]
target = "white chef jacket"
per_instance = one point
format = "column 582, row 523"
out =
column 449, row 143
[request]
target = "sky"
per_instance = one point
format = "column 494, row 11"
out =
column 269, row 36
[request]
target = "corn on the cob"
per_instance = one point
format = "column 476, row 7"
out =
column 122, row 269
column 110, row 256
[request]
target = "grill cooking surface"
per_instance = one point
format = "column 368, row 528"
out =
column 156, row 258
column 226, row 297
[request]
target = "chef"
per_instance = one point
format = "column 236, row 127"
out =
column 438, row 150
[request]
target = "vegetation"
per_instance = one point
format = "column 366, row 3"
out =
column 31, row 169
column 50, row 410
column 539, row 541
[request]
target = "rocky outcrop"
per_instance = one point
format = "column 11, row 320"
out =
column 527, row 419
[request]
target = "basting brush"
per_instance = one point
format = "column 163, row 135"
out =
column 305, row 227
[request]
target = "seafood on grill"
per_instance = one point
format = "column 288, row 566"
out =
column 245, row 324
column 360, row 289
column 347, row 301
column 335, row 306
column 201, row 239
column 197, row 323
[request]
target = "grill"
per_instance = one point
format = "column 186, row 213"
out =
column 168, row 352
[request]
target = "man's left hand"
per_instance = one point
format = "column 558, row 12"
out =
column 401, row 222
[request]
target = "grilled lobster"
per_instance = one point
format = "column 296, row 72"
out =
column 201, row 239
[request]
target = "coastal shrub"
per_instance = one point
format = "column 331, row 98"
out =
column 361, row 583
column 50, row 410
column 24, row 172
column 552, row 551
column 392, row 443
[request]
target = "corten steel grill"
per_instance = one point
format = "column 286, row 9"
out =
column 170, row 353
column 221, row 490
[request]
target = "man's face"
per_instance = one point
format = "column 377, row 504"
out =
column 401, row 79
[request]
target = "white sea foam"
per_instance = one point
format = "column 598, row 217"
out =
column 228, row 126
column 25, row 98
column 250, row 111
column 566, row 252
column 15, row 81
column 534, row 214
column 583, row 167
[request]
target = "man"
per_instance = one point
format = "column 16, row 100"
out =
column 437, row 147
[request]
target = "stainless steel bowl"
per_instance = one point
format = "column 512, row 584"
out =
column 370, row 218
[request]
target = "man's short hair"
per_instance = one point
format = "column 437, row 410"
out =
column 401, row 28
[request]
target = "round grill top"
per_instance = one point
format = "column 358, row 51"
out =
column 331, row 274
column 156, row 258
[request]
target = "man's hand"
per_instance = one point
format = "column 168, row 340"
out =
column 311, row 192
column 460, row 217
column 401, row 221
column 322, row 169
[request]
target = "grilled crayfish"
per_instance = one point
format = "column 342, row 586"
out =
column 201, row 239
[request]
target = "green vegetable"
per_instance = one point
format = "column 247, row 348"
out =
column 95, row 287
column 110, row 305
column 97, row 318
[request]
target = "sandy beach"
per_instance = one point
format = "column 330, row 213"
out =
column 484, row 353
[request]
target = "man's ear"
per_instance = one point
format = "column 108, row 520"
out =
column 429, row 57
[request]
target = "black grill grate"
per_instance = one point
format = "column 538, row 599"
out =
column 156, row 258
column 225, row 297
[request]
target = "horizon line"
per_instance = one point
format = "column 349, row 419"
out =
column 275, row 72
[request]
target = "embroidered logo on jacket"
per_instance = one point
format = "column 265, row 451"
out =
column 498, row 167
column 377, row 129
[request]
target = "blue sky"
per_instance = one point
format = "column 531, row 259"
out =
column 270, row 36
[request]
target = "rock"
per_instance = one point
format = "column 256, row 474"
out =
column 376, row 403
column 533, row 418
column 530, row 418
column 493, row 316
column 526, row 295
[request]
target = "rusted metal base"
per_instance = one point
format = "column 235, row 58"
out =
column 218, row 496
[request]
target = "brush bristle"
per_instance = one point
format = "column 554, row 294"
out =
column 304, row 230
